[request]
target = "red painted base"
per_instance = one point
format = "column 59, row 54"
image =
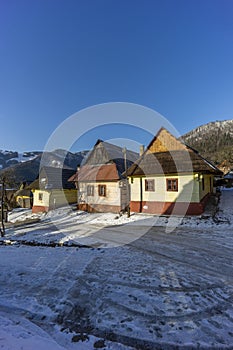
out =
column 168, row 208
column 39, row 209
column 99, row 208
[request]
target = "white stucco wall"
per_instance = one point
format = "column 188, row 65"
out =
column 45, row 198
column 112, row 197
column 54, row 198
column 188, row 189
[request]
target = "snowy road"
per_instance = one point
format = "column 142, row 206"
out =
column 160, row 291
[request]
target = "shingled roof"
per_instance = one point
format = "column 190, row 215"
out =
column 105, row 172
column 105, row 162
column 168, row 155
column 53, row 178
column 173, row 162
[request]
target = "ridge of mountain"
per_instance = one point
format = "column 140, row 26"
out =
column 214, row 141
column 17, row 168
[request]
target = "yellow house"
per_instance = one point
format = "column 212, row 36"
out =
column 52, row 190
column 23, row 198
column 170, row 178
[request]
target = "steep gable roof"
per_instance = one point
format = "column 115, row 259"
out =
column 167, row 155
column 53, row 178
column 164, row 141
column 171, row 163
column 107, row 153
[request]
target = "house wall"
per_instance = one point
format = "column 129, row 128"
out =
column 189, row 198
column 52, row 199
column 40, row 201
column 208, row 187
column 59, row 198
column 110, row 203
column 185, row 186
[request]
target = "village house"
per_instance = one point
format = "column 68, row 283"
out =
column 52, row 189
column 100, row 181
column 170, row 177
column 228, row 178
column 24, row 198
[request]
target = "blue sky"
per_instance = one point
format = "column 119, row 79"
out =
column 60, row 56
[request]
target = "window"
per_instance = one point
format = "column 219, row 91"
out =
column 40, row 196
column 149, row 185
column 90, row 190
column 172, row 185
column 102, row 190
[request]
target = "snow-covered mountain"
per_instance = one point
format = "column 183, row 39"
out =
column 8, row 158
column 54, row 159
column 218, row 128
column 16, row 167
column 214, row 141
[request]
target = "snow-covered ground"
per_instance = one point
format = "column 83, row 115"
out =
column 151, row 289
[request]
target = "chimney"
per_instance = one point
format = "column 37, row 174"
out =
column 141, row 150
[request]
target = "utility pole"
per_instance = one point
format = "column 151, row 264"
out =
column 2, row 208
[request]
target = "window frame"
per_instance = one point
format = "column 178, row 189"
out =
column 149, row 185
column 173, row 188
column 90, row 190
column 40, row 196
column 100, row 187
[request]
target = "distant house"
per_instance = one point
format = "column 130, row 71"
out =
column 170, row 177
column 100, row 181
column 24, row 198
column 229, row 178
column 52, row 189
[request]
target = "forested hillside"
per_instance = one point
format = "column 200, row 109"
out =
column 214, row 141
